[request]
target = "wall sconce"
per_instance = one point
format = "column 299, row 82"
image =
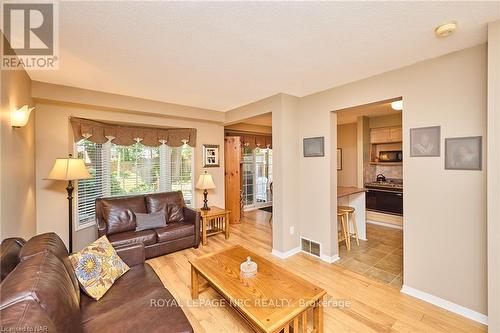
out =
column 20, row 117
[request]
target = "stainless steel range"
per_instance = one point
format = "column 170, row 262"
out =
column 385, row 196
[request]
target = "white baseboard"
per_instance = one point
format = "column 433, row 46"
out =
column 388, row 225
column 329, row 259
column 289, row 253
column 284, row 255
column 447, row 305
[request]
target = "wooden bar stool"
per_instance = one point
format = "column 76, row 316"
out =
column 343, row 229
column 348, row 210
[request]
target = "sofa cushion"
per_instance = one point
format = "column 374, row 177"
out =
column 147, row 237
column 53, row 243
column 174, row 231
column 140, row 280
column 171, row 203
column 118, row 212
column 9, row 255
column 153, row 312
column 150, row 221
column 41, row 285
column 97, row 267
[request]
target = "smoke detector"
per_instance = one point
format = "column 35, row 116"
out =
column 447, row 29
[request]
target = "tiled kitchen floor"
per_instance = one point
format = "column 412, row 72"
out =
column 380, row 257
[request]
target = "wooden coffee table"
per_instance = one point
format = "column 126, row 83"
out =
column 272, row 301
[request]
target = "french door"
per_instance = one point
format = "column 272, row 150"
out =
column 257, row 177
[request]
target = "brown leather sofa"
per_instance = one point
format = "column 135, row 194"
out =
column 9, row 255
column 42, row 294
column 115, row 219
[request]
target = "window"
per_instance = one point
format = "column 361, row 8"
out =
column 123, row 170
column 257, row 177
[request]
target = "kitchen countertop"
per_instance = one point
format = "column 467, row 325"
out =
column 343, row 191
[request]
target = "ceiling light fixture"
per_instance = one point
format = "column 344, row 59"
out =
column 397, row 105
column 445, row 30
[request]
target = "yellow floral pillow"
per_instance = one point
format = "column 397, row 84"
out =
column 97, row 267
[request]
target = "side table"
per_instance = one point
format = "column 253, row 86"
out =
column 214, row 221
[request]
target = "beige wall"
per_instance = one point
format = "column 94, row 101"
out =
column 262, row 106
column 54, row 139
column 363, row 147
column 494, row 177
column 347, row 141
column 106, row 101
column 444, row 251
column 17, row 168
column 286, row 148
column 250, row 128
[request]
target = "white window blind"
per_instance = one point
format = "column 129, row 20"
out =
column 123, row 170
column 89, row 189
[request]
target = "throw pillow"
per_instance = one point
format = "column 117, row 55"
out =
column 97, row 267
column 149, row 221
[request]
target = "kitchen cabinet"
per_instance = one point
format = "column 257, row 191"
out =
column 386, row 135
column 396, row 134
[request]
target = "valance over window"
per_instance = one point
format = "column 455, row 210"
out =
column 100, row 132
column 260, row 141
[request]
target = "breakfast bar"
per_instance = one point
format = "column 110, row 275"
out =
column 354, row 197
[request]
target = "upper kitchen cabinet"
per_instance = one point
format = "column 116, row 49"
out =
column 386, row 135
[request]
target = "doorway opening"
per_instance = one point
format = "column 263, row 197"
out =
column 249, row 167
column 370, row 190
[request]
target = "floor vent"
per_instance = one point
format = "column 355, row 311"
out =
column 310, row 247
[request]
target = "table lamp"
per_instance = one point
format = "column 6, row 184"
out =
column 205, row 182
column 69, row 169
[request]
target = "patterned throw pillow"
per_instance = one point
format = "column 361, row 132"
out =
column 97, row 267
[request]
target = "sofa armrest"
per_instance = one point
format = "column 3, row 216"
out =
column 101, row 227
column 192, row 216
column 132, row 254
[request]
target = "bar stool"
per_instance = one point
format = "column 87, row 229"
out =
column 348, row 210
column 343, row 229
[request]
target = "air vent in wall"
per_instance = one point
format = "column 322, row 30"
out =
column 310, row 247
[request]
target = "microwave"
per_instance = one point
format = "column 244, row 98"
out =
column 390, row 156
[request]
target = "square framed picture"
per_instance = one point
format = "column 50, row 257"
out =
column 210, row 156
column 314, row 147
column 425, row 141
column 463, row 153
column 339, row 158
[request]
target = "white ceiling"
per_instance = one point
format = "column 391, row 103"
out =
column 220, row 55
column 374, row 110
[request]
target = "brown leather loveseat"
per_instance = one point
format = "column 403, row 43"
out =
column 42, row 294
column 115, row 219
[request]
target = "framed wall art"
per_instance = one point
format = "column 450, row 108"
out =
column 210, row 156
column 425, row 141
column 463, row 153
column 314, row 147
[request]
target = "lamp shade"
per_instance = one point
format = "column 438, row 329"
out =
column 69, row 169
column 205, row 182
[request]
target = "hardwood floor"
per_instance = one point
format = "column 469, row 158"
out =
column 380, row 257
column 359, row 304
